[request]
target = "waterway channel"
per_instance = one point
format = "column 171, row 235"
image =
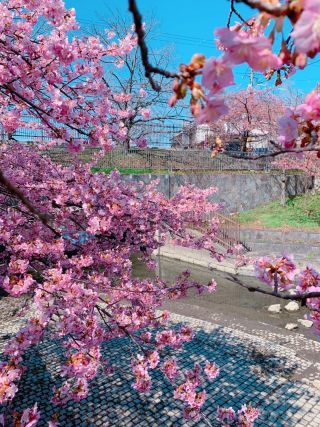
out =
column 231, row 305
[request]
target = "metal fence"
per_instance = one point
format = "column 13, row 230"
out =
column 161, row 160
column 228, row 234
column 173, row 160
column 171, row 148
column 156, row 134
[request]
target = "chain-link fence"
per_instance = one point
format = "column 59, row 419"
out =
column 169, row 148
column 178, row 160
column 161, row 160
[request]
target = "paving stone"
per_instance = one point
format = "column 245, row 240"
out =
column 113, row 402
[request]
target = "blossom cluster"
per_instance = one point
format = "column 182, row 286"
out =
column 57, row 79
column 72, row 254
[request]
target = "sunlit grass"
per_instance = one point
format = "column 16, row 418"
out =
column 299, row 212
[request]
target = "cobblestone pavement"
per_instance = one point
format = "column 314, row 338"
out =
column 253, row 369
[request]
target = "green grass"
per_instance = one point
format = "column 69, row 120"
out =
column 134, row 171
column 299, row 212
column 124, row 171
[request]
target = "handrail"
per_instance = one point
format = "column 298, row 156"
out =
column 228, row 233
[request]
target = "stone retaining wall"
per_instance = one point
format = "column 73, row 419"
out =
column 305, row 244
column 237, row 192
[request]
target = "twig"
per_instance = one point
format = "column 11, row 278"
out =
column 274, row 153
column 233, row 10
column 149, row 69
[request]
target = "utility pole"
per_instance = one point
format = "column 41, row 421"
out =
column 251, row 78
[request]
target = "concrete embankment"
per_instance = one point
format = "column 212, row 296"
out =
column 202, row 258
column 304, row 245
column 236, row 191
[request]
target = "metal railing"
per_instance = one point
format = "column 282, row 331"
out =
column 228, row 233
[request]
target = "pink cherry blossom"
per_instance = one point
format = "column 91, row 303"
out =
column 145, row 112
column 170, row 368
column 307, row 278
column 310, row 110
column 216, row 75
column 306, row 31
column 247, row 416
column 242, row 46
column 211, row 370
column 269, row 269
column 142, row 93
column 212, row 286
column 288, row 130
column 213, row 110
column 30, row 417
column 226, row 415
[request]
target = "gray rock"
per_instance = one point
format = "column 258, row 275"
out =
column 274, row 308
column 291, row 326
column 292, row 306
column 306, row 323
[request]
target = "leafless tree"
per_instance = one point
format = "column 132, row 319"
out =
column 131, row 79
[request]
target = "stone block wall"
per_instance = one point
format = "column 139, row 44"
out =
column 236, row 192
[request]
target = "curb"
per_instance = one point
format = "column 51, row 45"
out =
column 211, row 265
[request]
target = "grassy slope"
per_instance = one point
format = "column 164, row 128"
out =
column 125, row 171
column 299, row 212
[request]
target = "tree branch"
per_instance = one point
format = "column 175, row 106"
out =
column 26, row 202
column 274, row 153
column 149, row 69
column 275, row 293
column 233, row 10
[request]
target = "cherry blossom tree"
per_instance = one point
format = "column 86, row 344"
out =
column 252, row 118
column 308, row 163
column 149, row 108
column 77, row 266
column 67, row 235
column 57, row 79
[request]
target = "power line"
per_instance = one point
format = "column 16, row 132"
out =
column 162, row 36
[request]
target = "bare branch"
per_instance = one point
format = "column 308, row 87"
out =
column 275, row 153
column 233, row 10
column 149, row 69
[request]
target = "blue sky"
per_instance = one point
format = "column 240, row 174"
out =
column 187, row 30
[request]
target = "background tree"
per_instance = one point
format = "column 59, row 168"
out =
column 149, row 109
column 252, row 119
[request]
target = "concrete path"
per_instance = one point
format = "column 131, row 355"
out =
column 202, row 258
